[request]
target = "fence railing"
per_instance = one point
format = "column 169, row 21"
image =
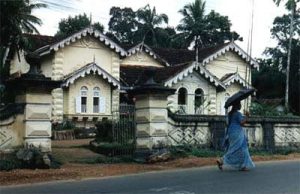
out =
column 123, row 129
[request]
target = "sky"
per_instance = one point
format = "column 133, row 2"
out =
column 238, row 11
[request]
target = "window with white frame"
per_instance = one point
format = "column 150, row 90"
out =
column 83, row 94
column 199, row 101
column 96, row 100
column 182, row 101
column 81, row 100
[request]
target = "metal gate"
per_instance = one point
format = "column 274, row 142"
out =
column 123, row 129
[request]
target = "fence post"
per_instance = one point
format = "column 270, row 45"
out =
column 268, row 136
column 217, row 129
column 151, row 117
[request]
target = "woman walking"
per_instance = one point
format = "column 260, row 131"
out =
column 237, row 154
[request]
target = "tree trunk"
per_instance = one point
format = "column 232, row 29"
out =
column 289, row 60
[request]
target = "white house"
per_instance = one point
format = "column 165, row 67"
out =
column 96, row 74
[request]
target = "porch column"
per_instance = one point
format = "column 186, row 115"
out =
column 151, row 117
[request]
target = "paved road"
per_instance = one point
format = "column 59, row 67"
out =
column 268, row 177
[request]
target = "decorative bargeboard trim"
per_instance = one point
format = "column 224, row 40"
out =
column 91, row 31
column 86, row 70
column 234, row 47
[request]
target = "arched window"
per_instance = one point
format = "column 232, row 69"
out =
column 96, row 99
column 182, row 101
column 83, row 95
column 199, row 101
column 182, row 96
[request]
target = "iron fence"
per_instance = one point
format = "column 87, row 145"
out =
column 123, row 129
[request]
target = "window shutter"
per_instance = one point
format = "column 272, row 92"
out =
column 102, row 105
column 78, row 104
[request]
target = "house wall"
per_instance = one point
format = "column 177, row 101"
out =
column 90, row 81
column 229, row 62
column 191, row 83
column 84, row 51
column 74, row 56
column 141, row 59
column 232, row 89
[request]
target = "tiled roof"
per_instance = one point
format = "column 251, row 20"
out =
column 134, row 75
column 37, row 41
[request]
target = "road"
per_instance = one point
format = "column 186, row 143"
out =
column 268, row 177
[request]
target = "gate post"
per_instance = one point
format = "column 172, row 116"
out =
column 151, row 117
column 34, row 91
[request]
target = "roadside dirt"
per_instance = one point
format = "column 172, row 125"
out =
column 68, row 151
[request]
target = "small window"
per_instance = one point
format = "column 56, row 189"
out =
column 182, row 96
column 96, row 98
column 199, row 101
column 83, row 93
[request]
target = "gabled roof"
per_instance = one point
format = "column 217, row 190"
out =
column 141, row 46
column 230, row 78
column 214, row 52
column 88, row 69
column 82, row 33
column 190, row 69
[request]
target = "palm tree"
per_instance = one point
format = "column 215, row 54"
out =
column 292, row 6
column 16, row 18
column 148, row 24
column 193, row 21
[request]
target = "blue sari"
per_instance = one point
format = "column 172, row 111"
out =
column 237, row 155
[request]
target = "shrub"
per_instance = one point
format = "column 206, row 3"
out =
column 10, row 164
column 65, row 125
column 104, row 131
column 111, row 149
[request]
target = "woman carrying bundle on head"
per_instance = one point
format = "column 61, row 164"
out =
column 237, row 154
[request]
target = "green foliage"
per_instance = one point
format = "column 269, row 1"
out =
column 268, row 81
column 65, row 125
column 112, row 149
column 104, row 131
column 16, row 18
column 68, row 26
column 257, row 109
column 122, row 24
column 116, row 159
column 278, row 57
column 212, row 28
column 10, row 163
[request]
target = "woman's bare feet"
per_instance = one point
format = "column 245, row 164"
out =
column 220, row 164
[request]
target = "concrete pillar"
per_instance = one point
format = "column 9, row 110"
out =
column 35, row 92
column 151, row 117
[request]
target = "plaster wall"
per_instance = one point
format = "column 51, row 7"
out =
column 12, row 132
column 84, row 51
column 90, row 81
column 230, row 90
column 229, row 62
column 191, row 83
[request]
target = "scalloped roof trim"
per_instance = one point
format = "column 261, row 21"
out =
column 139, row 47
column 88, row 69
column 190, row 69
column 87, row 31
column 234, row 47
